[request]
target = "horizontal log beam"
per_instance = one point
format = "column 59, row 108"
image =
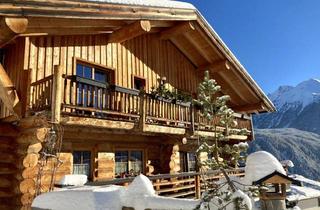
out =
column 130, row 31
column 10, row 28
column 179, row 29
column 218, row 66
column 249, row 108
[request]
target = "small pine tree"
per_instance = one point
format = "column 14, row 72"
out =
column 215, row 107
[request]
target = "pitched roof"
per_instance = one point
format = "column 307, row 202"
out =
column 276, row 173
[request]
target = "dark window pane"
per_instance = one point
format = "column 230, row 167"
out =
column 77, row 157
column 121, row 158
column 139, row 84
column 79, row 70
column 135, row 164
column 100, row 76
column 86, row 157
column 191, row 161
column 82, row 162
column 87, row 72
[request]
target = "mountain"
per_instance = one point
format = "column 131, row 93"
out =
column 301, row 147
column 298, row 107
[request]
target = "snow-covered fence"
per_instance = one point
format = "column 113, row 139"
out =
column 177, row 185
column 139, row 195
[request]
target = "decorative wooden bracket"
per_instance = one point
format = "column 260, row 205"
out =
column 179, row 29
column 130, row 31
column 218, row 66
column 249, row 108
column 10, row 28
column 8, row 93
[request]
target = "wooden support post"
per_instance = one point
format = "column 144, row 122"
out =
column 24, row 91
column 56, row 94
column 197, row 184
column 142, row 112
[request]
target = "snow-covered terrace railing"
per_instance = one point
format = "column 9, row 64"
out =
column 187, row 184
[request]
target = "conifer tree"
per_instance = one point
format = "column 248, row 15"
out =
column 214, row 108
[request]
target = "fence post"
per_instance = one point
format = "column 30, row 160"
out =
column 56, row 94
column 142, row 111
column 192, row 119
column 197, row 182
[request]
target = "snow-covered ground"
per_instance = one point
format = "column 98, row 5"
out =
column 141, row 195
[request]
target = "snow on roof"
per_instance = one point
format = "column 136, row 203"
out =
column 259, row 165
column 148, row 3
column 287, row 163
column 302, row 193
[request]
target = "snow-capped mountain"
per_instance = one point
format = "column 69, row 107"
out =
column 298, row 107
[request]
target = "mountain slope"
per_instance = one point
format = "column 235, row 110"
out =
column 298, row 107
column 301, row 147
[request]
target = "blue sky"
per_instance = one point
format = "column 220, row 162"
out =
column 278, row 41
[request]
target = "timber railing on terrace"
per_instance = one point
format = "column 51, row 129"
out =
column 89, row 98
column 186, row 184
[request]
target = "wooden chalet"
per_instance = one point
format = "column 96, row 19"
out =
column 74, row 71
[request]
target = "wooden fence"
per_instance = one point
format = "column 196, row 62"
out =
column 187, row 184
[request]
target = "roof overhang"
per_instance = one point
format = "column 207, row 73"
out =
column 187, row 28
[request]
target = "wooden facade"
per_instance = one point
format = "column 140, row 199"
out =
column 102, row 124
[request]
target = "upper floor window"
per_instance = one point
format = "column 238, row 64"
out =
column 94, row 72
column 90, row 90
column 139, row 83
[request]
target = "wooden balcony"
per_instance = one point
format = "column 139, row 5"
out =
column 83, row 97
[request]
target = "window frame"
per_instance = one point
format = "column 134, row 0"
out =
column 91, row 163
column 134, row 76
column 129, row 153
column 108, row 70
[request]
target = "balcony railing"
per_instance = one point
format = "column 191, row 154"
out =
column 89, row 98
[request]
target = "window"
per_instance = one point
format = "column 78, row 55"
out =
column 187, row 161
column 82, row 162
column 94, row 78
column 128, row 163
column 139, row 83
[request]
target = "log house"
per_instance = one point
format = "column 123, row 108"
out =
column 80, row 67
